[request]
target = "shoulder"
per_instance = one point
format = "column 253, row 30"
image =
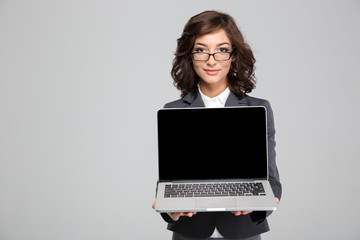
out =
column 175, row 104
column 253, row 101
column 192, row 99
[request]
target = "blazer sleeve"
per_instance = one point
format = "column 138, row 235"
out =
column 274, row 178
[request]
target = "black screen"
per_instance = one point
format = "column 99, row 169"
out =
column 212, row 143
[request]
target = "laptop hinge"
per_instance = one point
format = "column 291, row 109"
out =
column 215, row 180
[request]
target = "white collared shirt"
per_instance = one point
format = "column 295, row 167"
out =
column 218, row 101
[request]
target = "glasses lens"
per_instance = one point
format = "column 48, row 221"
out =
column 222, row 56
column 200, row 56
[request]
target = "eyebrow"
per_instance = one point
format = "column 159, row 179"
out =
column 203, row 44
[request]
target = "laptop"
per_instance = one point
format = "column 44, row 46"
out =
column 213, row 159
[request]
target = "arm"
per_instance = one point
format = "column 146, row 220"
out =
column 274, row 178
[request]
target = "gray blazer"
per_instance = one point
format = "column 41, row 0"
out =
column 202, row 225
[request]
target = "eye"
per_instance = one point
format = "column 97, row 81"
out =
column 223, row 50
column 199, row 50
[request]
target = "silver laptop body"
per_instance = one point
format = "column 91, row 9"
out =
column 213, row 159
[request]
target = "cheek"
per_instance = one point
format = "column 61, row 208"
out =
column 227, row 66
column 197, row 68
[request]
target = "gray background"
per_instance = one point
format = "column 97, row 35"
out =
column 80, row 83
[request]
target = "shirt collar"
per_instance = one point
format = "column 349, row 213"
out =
column 222, row 97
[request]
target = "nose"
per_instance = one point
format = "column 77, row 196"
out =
column 211, row 60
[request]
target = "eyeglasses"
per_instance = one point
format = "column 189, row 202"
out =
column 219, row 56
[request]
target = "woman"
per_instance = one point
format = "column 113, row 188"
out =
column 214, row 67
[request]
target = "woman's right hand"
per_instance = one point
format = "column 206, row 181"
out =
column 176, row 215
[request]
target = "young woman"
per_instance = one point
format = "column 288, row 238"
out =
column 214, row 67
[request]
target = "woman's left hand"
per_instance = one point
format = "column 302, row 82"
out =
column 238, row 213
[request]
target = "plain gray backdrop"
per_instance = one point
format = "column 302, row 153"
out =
column 80, row 84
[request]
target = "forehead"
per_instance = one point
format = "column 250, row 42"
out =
column 213, row 38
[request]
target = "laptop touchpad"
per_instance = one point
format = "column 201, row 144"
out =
column 215, row 202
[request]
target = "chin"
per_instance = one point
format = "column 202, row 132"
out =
column 212, row 81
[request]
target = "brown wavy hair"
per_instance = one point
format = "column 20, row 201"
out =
column 241, row 77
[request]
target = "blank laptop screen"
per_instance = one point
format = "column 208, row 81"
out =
column 212, row 143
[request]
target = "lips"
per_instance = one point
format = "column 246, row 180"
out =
column 211, row 72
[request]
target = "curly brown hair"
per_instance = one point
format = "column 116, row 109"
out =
column 241, row 77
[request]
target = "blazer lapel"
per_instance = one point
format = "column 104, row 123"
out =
column 233, row 100
column 194, row 99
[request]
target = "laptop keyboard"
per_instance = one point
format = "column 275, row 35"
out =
column 213, row 190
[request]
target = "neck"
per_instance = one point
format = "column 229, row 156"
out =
column 212, row 90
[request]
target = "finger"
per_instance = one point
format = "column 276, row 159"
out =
column 176, row 215
column 153, row 205
column 179, row 214
column 190, row 214
column 277, row 200
column 245, row 212
column 236, row 213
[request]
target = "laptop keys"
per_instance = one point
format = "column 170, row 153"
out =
column 213, row 190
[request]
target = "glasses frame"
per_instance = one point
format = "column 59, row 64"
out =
column 211, row 54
